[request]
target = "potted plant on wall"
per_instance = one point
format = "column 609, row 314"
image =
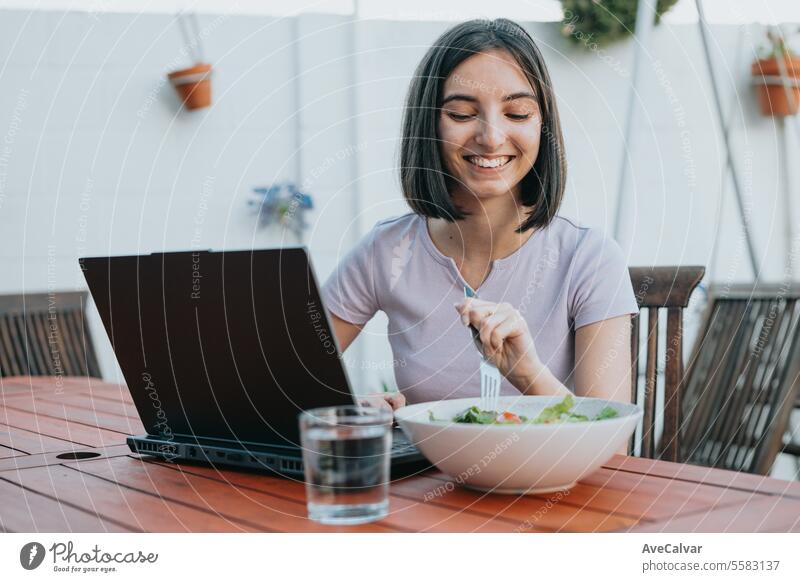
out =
column 192, row 84
column 776, row 75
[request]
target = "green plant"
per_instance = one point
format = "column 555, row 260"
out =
column 776, row 47
column 592, row 22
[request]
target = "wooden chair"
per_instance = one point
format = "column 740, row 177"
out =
column 46, row 334
column 659, row 288
column 744, row 378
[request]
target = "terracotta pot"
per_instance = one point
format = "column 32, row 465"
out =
column 771, row 93
column 193, row 85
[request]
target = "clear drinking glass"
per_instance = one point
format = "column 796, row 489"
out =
column 346, row 454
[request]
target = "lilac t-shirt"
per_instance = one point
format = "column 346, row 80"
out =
column 563, row 277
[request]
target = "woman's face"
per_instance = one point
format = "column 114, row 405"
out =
column 489, row 125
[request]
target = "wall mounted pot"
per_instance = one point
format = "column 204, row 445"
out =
column 193, row 85
column 772, row 95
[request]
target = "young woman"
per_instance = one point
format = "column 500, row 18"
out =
column 483, row 170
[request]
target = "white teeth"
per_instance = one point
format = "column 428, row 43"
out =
column 493, row 163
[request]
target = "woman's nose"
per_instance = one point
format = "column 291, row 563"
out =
column 490, row 135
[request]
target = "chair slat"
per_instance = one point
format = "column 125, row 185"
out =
column 787, row 393
column 673, row 383
column 766, row 399
column 46, row 334
column 736, row 363
column 635, row 324
column 740, row 396
column 761, row 354
column 34, row 365
column 71, row 344
column 9, row 363
column 717, row 342
column 650, row 384
column 88, row 360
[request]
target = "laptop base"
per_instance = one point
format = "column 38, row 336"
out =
column 278, row 461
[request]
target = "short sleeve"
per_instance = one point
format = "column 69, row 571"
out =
column 349, row 292
column 600, row 286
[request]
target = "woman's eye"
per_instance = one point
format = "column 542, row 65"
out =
column 458, row 116
column 519, row 117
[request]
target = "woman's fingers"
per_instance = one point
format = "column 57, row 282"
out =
column 494, row 329
column 395, row 400
column 474, row 311
column 508, row 328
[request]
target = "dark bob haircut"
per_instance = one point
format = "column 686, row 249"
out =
column 422, row 174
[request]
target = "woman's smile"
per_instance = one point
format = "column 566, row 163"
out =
column 489, row 164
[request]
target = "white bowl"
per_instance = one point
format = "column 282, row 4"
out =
column 518, row 458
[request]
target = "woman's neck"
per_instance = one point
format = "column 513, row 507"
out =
column 487, row 234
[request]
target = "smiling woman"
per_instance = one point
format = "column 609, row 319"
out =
column 483, row 170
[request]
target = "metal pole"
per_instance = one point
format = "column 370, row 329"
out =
column 784, row 161
column 297, row 96
column 361, row 348
column 354, row 129
column 720, row 116
column 645, row 19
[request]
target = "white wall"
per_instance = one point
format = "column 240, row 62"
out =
column 98, row 160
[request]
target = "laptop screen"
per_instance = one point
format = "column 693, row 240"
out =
column 224, row 345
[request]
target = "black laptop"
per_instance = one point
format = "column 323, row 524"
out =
column 221, row 351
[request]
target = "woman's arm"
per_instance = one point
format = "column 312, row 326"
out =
column 603, row 359
column 602, row 352
column 344, row 331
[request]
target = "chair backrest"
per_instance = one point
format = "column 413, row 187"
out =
column 743, row 378
column 46, row 334
column 659, row 288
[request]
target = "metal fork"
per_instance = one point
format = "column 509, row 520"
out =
column 490, row 375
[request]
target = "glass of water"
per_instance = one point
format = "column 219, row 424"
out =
column 346, row 454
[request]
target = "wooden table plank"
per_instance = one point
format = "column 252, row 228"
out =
column 68, row 431
column 105, row 406
column 11, row 385
column 706, row 475
column 135, row 510
column 65, row 412
column 762, row 514
column 657, row 488
column 548, row 512
column 31, row 442
column 26, row 511
column 630, row 504
column 8, row 452
column 257, row 510
column 45, row 459
column 404, row 514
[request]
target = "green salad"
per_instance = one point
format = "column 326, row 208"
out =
column 558, row 413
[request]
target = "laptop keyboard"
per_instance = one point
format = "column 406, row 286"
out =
column 401, row 444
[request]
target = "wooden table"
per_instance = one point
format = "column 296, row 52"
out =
column 46, row 422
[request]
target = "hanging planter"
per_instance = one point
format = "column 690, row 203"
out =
column 193, row 84
column 774, row 98
column 776, row 76
column 594, row 24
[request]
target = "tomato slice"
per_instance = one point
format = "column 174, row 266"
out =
column 510, row 417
